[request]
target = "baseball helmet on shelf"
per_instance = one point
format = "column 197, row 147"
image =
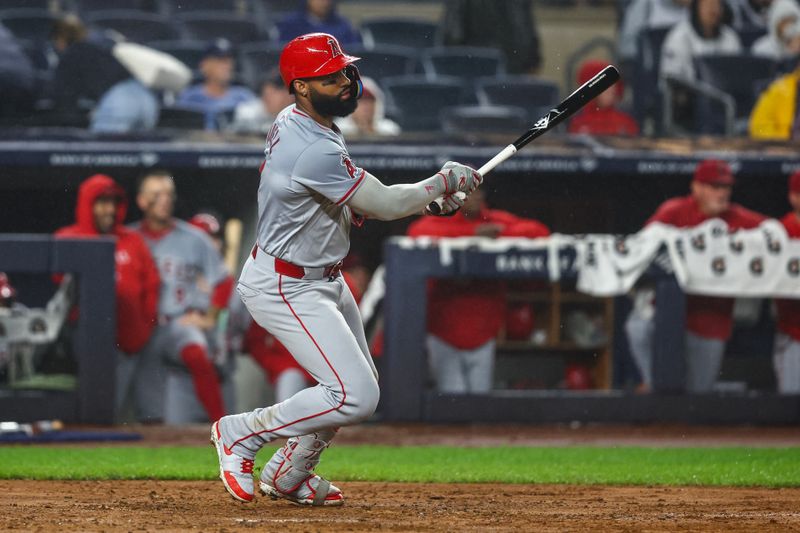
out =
column 7, row 291
column 206, row 222
column 317, row 54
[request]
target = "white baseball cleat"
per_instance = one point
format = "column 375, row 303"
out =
column 235, row 471
column 279, row 479
column 313, row 490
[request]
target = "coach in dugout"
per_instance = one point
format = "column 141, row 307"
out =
column 100, row 211
column 464, row 316
column 709, row 320
column 786, row 357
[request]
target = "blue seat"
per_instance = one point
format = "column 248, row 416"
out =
column 85, row 7
column 239, row 8
column 725, row 72
column 647, row 94
column 484, row 119
column 189, row 52
column 256, row 60
column 384, row 61
column 31, row 24
column 535, row 95
column 416, row 102
column 463, row 62
column 136, row 26
column 210, row 25
column 412, row 33
column 181, row 118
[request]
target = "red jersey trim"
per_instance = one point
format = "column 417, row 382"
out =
column 353, row 188
column 344, row 392
column 153, row 234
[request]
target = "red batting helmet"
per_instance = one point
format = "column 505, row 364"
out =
column 312, row 55
column 7, row 292
column 206, row 222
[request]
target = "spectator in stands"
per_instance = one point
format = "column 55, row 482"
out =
column 601, row 116
column 256, row 116
column 774, row 116
column 465, row 316
column 644, row 15
column 705, row 32
column 783, row 39
column 215, row 94
column 369, row 118
column 100, row 211
column 786, row 357
column 509, row 25
column 88, row 73
column 750, row 15
column 708, row 319
column 17, row 80
column 317, row 16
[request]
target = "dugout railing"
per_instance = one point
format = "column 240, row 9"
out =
column 406, row 395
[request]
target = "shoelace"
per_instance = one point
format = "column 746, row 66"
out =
column 247, row 466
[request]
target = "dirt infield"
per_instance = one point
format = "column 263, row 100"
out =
column 204, row 506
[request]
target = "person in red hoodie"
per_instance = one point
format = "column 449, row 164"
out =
column 601, row 116
column 100, row 211
column 786, row 356
column 709, row 320
column 465, row 316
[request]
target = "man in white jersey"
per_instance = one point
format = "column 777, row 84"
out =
column 310, row 193
column 190, row 269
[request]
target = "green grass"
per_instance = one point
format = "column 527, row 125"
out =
column 773, row 467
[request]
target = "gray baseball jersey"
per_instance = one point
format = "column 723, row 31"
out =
column 189, row 265
column 306, row 179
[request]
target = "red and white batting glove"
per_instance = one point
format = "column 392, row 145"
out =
column 450, row 203
column 458, row 177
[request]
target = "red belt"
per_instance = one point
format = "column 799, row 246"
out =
column 294, row 271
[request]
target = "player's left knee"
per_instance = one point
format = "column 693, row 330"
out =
column 364, row 401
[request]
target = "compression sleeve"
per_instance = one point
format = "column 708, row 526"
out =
column 375, row 200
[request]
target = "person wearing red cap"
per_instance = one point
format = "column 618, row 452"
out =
column 601, row 116
column 786, row 356
column 464, row 316
column 100, row 211
column 310, row 194
column 709, row 320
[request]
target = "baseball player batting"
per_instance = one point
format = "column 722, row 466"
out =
column 310, row 193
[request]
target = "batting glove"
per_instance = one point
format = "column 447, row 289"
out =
column 450, row 203
column 460, row 177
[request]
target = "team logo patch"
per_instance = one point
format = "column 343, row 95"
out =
column 717, row 231
column 699, row 242
column 352, row 170
column 591, row 257
column 793, row 267
column 335, row 48
column 757, row 266
column 718, row 266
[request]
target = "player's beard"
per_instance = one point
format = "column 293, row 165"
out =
column 332, row 106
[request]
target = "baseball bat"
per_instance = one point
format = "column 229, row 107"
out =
column 572, row 103
column 233, row 243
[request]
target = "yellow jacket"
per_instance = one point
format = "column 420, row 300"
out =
column 774, row 113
